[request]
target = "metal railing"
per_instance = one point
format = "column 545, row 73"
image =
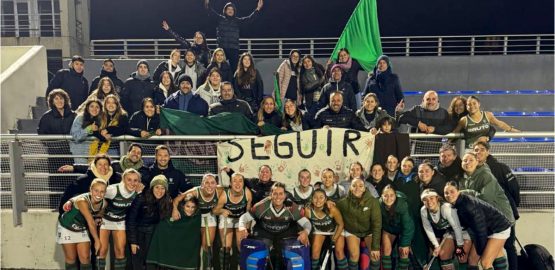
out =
column 323, row 47
column 31, row 25
column 27, row 163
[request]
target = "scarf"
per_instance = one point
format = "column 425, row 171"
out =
column 106, row 177
column 346, row 66
column 172, row 70
column 93, row 147
column 125, row 164
column 164, row 90
column 140, row 77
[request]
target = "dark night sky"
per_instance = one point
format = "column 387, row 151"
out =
column 111, row 19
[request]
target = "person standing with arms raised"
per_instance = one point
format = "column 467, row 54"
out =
column 227, row 31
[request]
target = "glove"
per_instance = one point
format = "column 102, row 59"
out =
column 459, row 251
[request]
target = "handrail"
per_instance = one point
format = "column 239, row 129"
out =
column 323, row 46
column 9, row 137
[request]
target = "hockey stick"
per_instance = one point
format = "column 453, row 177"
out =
column 429, row 264
column 327, row 257
column 207, row 235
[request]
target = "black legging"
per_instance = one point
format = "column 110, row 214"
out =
column 138, row 261
column 512, row 257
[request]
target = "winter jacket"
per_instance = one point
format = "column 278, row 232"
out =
column 273, row 118
column 196, row 105
column 79, row 145
column 225, row 72
column 209, row 95
column 75, row 85
column 342, row 86
column 437, row 183
column 388, row 90
column 400, row 223
column 305, row 123
column 362, row 217
column 82, row 185
column 233, row 106
column 52, row 122
column 227, row 31
column 138, row 216
column 401, row 179
column 453, row 172
column 177, row 183
column 199, row 70
column 345, row 118
column 121, row 128
column 251, row 93
column 439, row 119
column 508, row 182
column 284, row 76
column 202, row 53
column 118, row 84
column 164, row 66
column 480, row 217
column 379, row 185
column 311, row 82
column 158, row 95
column 350, row 75
column 140, row 122
column 366, row 122
column 134, row 91
column 485, row 186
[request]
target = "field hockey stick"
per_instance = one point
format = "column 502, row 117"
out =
column 327, row 258
column 207, row 235
column 429, row 264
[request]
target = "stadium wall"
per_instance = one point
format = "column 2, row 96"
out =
column 23, row 77
column 33, row 245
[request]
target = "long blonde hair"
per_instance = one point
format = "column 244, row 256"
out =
column 117, row 115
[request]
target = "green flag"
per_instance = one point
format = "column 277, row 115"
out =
column 361, row 35
column 277, row 94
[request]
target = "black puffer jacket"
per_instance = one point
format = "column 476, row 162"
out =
column 345, row 118
column 507, row 180
column 177, row 183
column 138, row 216
column 112, row 75
column 52, row 122
column 480, row 217
column 345, row 88
column 75, row 84
column 453, row 172
column 227, row 31
column 438, row 183
column 134, row 91
column 225, row 72
column 139, row 122
column 233, row 105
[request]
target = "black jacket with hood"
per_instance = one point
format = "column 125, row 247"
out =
column 75, row 85
column 118, row 84
column 134, row 91
column 227, row 31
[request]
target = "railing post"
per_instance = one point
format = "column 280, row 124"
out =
column 461, row 147
column 92, row 48
column 407, row 46
column 17, row 181
column 249, row 45
column 538, row 44
column 123, row 145
column 125, row 48
column 505, row 44
column 312, row 47
column 280, row 47
column 472, row 45
column 439, row 44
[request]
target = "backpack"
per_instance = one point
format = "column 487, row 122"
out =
column 535, row 257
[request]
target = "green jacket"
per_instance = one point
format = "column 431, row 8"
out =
column 484, row 185
column 401, row 222
column 362, row 217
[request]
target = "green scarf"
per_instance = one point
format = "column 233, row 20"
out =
column 125, row 164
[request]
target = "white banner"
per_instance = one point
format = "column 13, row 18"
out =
column 287, row 154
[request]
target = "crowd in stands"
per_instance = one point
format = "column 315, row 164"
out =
column 463, row 210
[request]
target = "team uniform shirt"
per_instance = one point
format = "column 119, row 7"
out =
column 237, row 209
column 119, row 199
column 72, row 225
column 322, row 225
column 336, row 193
column 474, row 130
column 444, row 223
column 302, row 198
column 205, row 206
column 272, row 220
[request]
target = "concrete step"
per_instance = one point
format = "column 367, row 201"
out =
column 41, row 101
column 38, row 111
column 27, row 126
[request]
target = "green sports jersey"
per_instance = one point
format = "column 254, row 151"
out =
column 117, row 207
column 73, row 220
column 275, row 221
column 206, row 206
column 326, row 224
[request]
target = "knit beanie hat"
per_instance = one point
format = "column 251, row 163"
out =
column 337, row 66
column 184, row 77
column 159, row 180
column 385, row 58
column 143, row 61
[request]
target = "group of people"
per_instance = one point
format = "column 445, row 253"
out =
column 465, row 208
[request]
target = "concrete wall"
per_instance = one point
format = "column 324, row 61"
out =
column 36, row 238
column 21, row 83
column 510, row 72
